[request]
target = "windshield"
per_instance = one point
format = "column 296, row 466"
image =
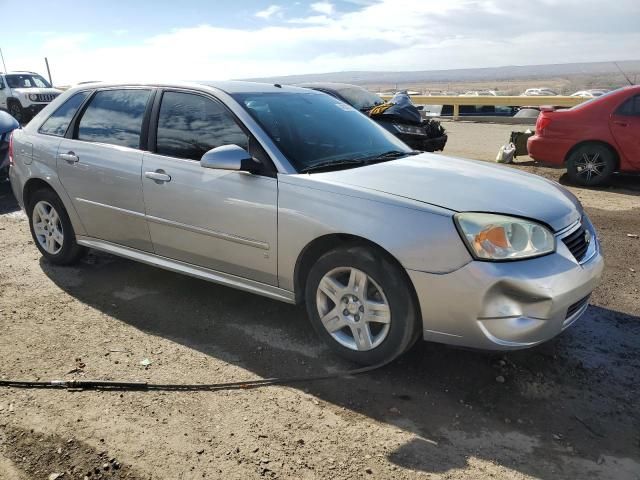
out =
column 26, row 80
column 313, row 128
column 359, row 97
column 592, row 100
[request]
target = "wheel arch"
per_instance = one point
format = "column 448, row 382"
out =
column 603, row 143
column 33, row 185
column 323, row 244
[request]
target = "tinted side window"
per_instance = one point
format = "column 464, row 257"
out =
column 59, row 120
column 189, row 125
column 630, row 107
column 115, row 117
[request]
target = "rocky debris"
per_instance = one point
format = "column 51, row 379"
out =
column 500, row 379
column 40, row 456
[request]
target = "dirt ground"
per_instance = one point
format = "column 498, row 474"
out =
column 567, row 409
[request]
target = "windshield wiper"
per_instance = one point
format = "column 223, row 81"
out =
column 331, row 164
column 359, row 161
column 391, row 155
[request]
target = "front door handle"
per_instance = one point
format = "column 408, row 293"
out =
column 620, row 124
column 158, row 176
column 69, row 157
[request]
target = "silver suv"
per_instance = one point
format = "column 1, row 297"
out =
column 292, row 194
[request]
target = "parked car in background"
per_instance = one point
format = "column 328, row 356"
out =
column 7, row 125
column 480, row 93
column 589, row 93
column 592, row 140
column 403, row 120
column 23, row 94
column 288, row 193
column 539, row 92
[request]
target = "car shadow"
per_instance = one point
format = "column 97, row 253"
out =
column 622, row 183
column 8, row 203
column 456, row 403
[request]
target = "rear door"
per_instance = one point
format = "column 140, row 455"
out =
column 219, row 219
column 625, row 127
column 100, row 162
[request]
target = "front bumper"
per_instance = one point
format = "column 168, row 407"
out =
column 425, row 144
column 35, row 108
column 508, row 305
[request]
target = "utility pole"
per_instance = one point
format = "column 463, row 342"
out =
column 4, row 65
column 48, row 71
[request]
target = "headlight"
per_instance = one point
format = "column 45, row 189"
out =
column 33, row 97
column 499, row 237
column 411, row 129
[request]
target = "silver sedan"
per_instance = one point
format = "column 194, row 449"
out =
column 292, row 194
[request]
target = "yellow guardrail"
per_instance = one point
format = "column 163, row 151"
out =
column 490, row 100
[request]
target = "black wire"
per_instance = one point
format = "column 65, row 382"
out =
column 195, row 387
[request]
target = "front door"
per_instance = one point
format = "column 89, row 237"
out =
column 100, row 167
column 218, row 219
column 4, row 92
column 625, row 127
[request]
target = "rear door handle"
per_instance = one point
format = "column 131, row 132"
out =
column 158, row 176
column 69, row 157
column 621, row 124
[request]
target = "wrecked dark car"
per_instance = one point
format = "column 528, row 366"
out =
column 7, row 125
column 399, row 116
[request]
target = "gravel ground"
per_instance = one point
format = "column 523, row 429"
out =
column 566, row 409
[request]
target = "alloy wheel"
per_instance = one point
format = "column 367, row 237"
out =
column 47, row 227
column 353, row 308
column 590, row 166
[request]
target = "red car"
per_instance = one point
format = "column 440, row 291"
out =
column 594, row 139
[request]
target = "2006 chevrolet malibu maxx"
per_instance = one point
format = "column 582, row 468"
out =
column 292, row 194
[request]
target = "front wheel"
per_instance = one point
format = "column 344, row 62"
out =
column 16, row 111
column 51, row 228
column 591, row 165
column 360, row 304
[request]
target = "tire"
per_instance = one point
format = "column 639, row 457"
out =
column 591, row 165
column 16, row 111
column 51, row 228
column 368, row 329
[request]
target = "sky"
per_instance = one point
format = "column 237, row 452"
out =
column 214, row 40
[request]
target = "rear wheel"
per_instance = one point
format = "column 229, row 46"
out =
column 51, row 228
column 360, row 304
column 591, row 165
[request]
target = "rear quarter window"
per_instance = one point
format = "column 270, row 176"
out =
column 114, row 117
column 58, row 123
column 631, row 107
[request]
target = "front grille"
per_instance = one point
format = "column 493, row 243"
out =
column 46, row 97
column 578, row 242
column 571, row 311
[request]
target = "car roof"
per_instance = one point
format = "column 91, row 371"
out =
column 229, row 87
column 328, row 85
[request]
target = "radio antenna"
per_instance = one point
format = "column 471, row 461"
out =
column 623, row 74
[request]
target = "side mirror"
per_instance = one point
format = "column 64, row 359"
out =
column 229, row 157
column 420, row 107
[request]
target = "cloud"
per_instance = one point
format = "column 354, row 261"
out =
column 380, row 35
column 269, row 12
column 325, row 8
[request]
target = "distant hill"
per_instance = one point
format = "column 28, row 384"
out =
column 511, row 72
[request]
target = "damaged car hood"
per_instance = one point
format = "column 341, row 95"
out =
column 465, row 186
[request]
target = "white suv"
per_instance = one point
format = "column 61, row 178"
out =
column 23, row 94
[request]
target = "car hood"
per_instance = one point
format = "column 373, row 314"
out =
column 27, row 91
column 465, row 186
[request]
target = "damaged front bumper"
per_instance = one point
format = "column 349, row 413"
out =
column 508, row 305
